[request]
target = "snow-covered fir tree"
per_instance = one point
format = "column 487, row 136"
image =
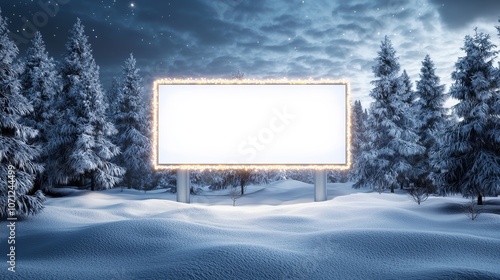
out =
column 469, row 159
column 337, row 176
column 358, row 128
column 40, row 83
column 408, row 94
column 358, row 138
column 81, row 137
column 17, row 157
column 432, row 120
column 408, row 97
column 132, row 122
column 113, row 97
column 390, row 143
column 409, row 119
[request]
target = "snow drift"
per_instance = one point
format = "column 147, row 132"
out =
column 274, row 232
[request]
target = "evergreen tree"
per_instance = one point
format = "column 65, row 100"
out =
column 40, row 82
column 390, row 142
column 337, row 176
column 81, row 144
column 432, row 120
column 358, row 128
column 17, row 157
column 409, row 119
column 469, row 160
column 358, row 138
column 133, row 127
column 407, row 96
column 407, row 92
column 113, row 98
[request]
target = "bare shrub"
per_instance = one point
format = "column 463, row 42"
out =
column 472, row 209
column 419, row 195
column 235, row 193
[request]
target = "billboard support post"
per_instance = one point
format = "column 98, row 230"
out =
column 183, row 186
column 320, row 185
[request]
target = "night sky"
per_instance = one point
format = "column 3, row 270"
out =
column 263, row 39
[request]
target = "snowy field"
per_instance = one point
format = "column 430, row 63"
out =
column 274, row 232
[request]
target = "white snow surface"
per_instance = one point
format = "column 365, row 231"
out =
column 276, row 231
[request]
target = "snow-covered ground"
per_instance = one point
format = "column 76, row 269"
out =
column 274, row 232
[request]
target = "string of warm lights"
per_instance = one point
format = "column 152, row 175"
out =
column 203, row 81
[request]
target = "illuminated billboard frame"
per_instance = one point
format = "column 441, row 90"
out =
column 172, row 83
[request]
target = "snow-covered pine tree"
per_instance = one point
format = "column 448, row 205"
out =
column 358, row 128
column 133, row 126
column 409, row 118
column 17, row 157
column 469, row 160
column 40, row 82
column 358, row 137
column 432, row 120
column 408, row 96
column 81, row 137
column 390, row 142
column 113, row 97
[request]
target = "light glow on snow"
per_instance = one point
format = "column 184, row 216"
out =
column 251, row 124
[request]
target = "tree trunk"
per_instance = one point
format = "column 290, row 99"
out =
column 392, row 188
column 82, row 181
column 242, row 189
column 92, row 181
column 37, row 185
column 479, row 200
column 128, row 180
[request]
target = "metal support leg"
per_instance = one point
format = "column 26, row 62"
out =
column 183, row 186
column 320, row 185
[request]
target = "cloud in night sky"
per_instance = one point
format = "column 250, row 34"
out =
column 264, row 39
column 461, row 13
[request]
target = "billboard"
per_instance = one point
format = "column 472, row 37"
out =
column 251, row 124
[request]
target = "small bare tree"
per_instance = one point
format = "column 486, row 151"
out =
column 419, row 195
column 472, row 209
column 235, row 193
